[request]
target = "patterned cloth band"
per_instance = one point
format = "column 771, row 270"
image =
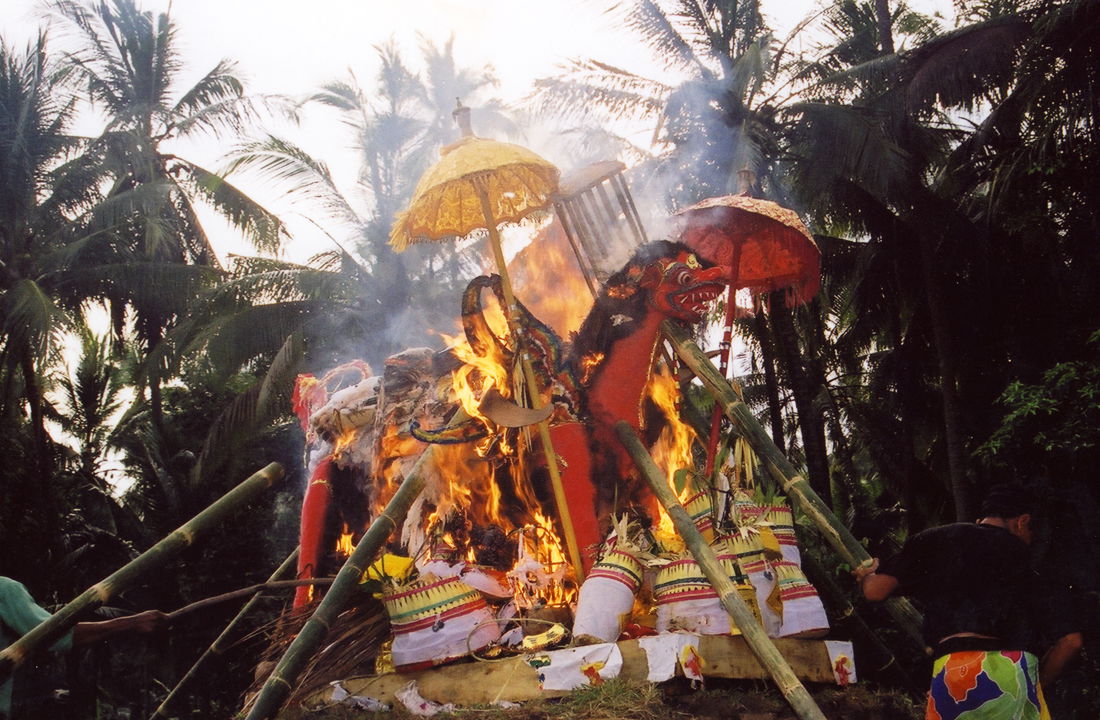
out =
column 977, row 685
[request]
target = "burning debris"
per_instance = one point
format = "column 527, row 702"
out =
column 518, row 541
column 478, row 567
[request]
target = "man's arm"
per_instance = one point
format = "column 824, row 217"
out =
column 1056, row 659
column 144, row 622
column 875, row 586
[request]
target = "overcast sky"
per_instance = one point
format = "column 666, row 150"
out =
column 292, row 47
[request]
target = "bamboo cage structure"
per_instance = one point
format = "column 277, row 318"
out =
column 784, row 473
column 183, row 537
column 596, row 209
column 718, row 576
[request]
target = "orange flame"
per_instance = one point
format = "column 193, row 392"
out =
column 548, row 281
column 673, row 449
column 344, row 544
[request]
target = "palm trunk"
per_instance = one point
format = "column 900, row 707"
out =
column 885, row 32
column 810, row 422
column 949, row 392
column 43, row 493
column 33, row 392
column 771, row 383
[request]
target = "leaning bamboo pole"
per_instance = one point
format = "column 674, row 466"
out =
column 281, row 681
column 60, row 622
column 751, row 629
column 216, row 646
column 795, row 486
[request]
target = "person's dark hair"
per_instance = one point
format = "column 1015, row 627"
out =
column 1009, row 501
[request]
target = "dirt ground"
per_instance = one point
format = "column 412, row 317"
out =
column 674, row 700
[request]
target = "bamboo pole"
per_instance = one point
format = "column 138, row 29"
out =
column 795, row 486
column 60, row 622
column 215, row 647
column 753, row 632
column 281, row 681
column 533, row 390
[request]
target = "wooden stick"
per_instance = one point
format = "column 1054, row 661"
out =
column 281, row 681
column 795, row 486
column 60, row 622
column 533, row 390
column 753, row 632
column 215, row 647
column 258, row 589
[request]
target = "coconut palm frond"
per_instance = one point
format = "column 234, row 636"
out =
column 657, row 30
column 303, row 175
column 30, row 317
column 256, row 408
column 959, row 69
column 262, row 228
column 217, row 87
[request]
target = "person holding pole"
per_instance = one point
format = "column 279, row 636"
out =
column 987, row 615
column 19, row 613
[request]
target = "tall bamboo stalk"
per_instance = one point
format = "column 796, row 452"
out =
column 751, row 629
column 279, row 685
column 794, row 485
column 215, row 647
column 60, row 622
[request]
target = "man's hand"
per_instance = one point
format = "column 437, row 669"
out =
column 874, row 587
column 867, row 568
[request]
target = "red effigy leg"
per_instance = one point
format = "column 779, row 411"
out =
column 571, row 445
column 314, row 510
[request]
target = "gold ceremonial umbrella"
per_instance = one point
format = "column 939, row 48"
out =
column 479, row 184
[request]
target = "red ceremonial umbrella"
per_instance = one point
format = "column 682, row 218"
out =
column 762, row 245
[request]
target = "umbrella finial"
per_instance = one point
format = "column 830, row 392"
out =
column 461, row 116
column 746, row 178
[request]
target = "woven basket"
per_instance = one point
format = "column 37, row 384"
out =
column 436, row 621
column 428, row 601
column 747, row 509
column 803, row 613
column 748, row 549
column 607, row 596
column 684, row 580
column 700, row 508
column 621, row 566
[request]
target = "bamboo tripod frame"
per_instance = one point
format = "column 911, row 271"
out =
column 779, row 467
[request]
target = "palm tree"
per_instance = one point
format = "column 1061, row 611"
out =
column 40, row 193
column 714, row 122
column 920, row 185
column 129, row 64
column 717, row 121
column 361, row 300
